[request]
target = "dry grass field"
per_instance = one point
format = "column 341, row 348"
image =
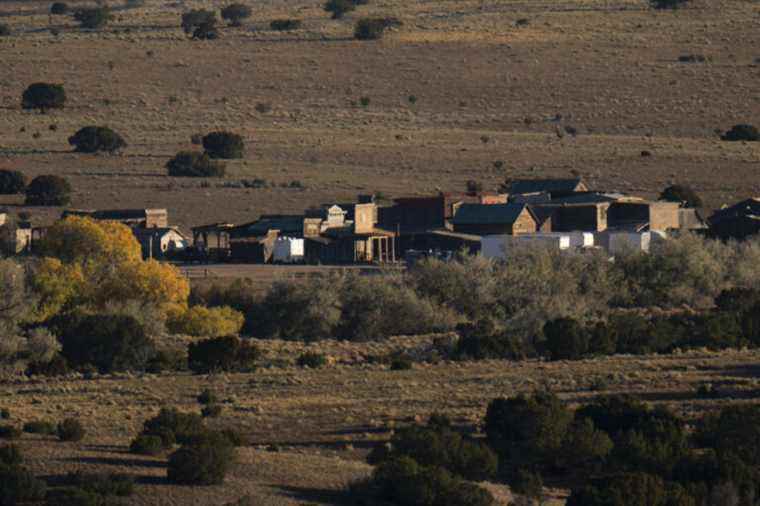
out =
column 487, row 91
column 323, row 421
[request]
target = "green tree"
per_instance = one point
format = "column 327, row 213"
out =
column 48, row 191
column 43, row 96
column 200, row 24
column 194, row 164
column 682, row 194
column 12, row 182
column 223, row 145
column 339, row 8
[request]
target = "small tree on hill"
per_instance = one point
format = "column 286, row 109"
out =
column 223, row 145
column 194, row 164
column 12, row 182
column 59, row 8
column 682, row 194
column 92, row 139
column 48, row 191
column 339, row 8
column 370, row 28
column 43, row 96
column 200, row 24
column 93, row 17
column 742, row 133
column 235, row 13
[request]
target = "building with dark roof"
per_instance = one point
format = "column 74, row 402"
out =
column 142, row 218
column 554, row 187
column 489, row 219
column 739, row 221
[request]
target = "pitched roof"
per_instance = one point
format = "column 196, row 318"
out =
column 589, row 198
column 749, row 207
column 155, row 232
column 544, row 185
column 285, row 223
column 483, row 214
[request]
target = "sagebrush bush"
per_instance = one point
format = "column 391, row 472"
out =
column 5, row 30
column 204, row 461
column 71, row 429
column 193, row 164
column 200, row 24
column 9, row 432
column 742, row 133
column 59, row 8
column 211, row 411
column 370, row 28
column 285, row 24
column 339, row 8
column 207, row 397
column 236, row 13
column 147, row 444
column 43, row 96
column 93, row 17
column 227, row 353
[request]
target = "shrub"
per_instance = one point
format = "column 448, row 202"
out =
column 5, row 30
column 43, row 96
column 48, row 191
column 211, row 411
column 92, row 139
column 370, row 28
column 93, row 17
column 147, row 444
column 71, row 429
column 19, row 486
column 5, row 413
column 193, row 164
column 312, row 360
column 57, row 366
column 200, row 23
column 10, row 456
column 106, row 341
column 483, row 340
column 734, row 430
column 566, row 339
column 207, row 397
column 205, row 461
column 173, row 426
column 339, row 8
column 527, row 483
column 682, row 194
column 235, row 13
column 667, row 4
column 40, row 427
column 742, row 133
column 12, row 182
column 59, row 8
column 204, row 321
column 285, row 24
column 628, row 489
column 225, row 145
column 737, row 299
column 9, row 432
column 227, row 353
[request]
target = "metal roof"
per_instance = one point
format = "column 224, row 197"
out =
column 483, row 214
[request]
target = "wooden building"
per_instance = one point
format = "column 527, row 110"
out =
column 492, row 219
column 134, row 218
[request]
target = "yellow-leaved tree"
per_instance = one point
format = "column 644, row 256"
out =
column 95, row 263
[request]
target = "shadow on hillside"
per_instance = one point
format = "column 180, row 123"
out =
column 330, row 445
column 740, row 371
column 116, row 461
column 323, row 496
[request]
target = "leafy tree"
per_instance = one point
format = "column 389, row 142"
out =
column 682, row 194
column 193, row 164
column 200, row 23
column 208, row 322
column 223, row 145
column 339, row 8
column 742, row 133
column 71, row 429
column 235, row 13
column 637, row 489
column 106, row 341
column 12, row 182
column 48, row 191
column 93, row 17
column 92, row 139
column 172, row 425
column 43, row 96
column 527, row 431
column 83, row 240
column 59, row 8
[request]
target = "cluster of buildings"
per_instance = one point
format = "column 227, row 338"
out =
column 562, row 213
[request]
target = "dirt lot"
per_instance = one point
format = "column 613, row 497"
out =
column 324, row 420
column 487, row 90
